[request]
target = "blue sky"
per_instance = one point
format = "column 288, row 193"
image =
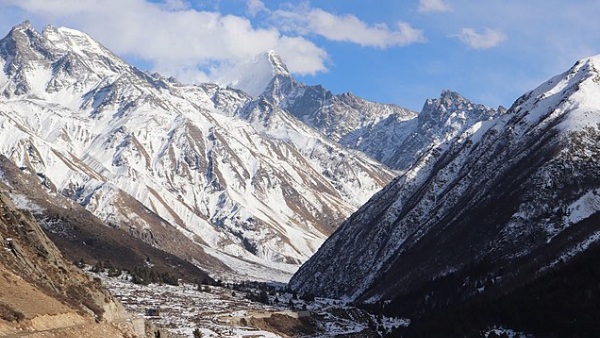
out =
column 401, row 52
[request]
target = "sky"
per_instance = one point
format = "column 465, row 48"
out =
column 401, row 51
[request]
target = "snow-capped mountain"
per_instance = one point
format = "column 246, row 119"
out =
column 237, row 176
column 511, row 200
column 253, row 77
column 393, row 135
column 335, row 116
column 400, row 143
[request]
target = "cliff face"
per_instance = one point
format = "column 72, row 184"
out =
column 41, row 291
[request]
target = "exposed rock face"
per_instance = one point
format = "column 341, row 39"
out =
column 439, row 124
column 393, row 135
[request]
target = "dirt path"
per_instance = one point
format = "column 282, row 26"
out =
column 64, row 328
column 29, row 333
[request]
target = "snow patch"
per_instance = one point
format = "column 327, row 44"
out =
column 584, row 207
column 21, row 202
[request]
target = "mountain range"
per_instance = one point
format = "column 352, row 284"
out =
column 239, row 183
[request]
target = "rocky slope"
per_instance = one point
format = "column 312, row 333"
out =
column 237, row 177
column 400, row 143
column 510, row 201
column 41, row 291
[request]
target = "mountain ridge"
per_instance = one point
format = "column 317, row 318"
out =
column 255, row 182
column 505, row 198
column 388, row 133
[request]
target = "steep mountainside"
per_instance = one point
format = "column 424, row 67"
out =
column 41, row 291
column 508, row 203
column 241, row 179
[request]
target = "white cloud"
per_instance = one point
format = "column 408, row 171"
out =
column 173, row 38
column 347, row 28
column 488, row 39
column 176, row 5
column 255, row 6
column 428, row 6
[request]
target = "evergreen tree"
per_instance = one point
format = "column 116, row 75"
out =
column 263, row 297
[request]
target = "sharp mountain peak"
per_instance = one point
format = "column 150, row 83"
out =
column 279, row 67
column 257, row 74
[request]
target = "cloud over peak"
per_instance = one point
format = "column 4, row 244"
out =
column 175, row 38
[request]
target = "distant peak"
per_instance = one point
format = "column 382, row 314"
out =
column 254, row 75
column 451, row 103
column 447, row 98
column 22, row 27
column 279, row 68
column 450, row 94
column 25, row 25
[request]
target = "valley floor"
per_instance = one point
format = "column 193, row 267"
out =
column 223, row 312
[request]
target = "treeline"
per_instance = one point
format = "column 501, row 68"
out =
column 266, row 293
column 142, row 275
column 146, row 275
